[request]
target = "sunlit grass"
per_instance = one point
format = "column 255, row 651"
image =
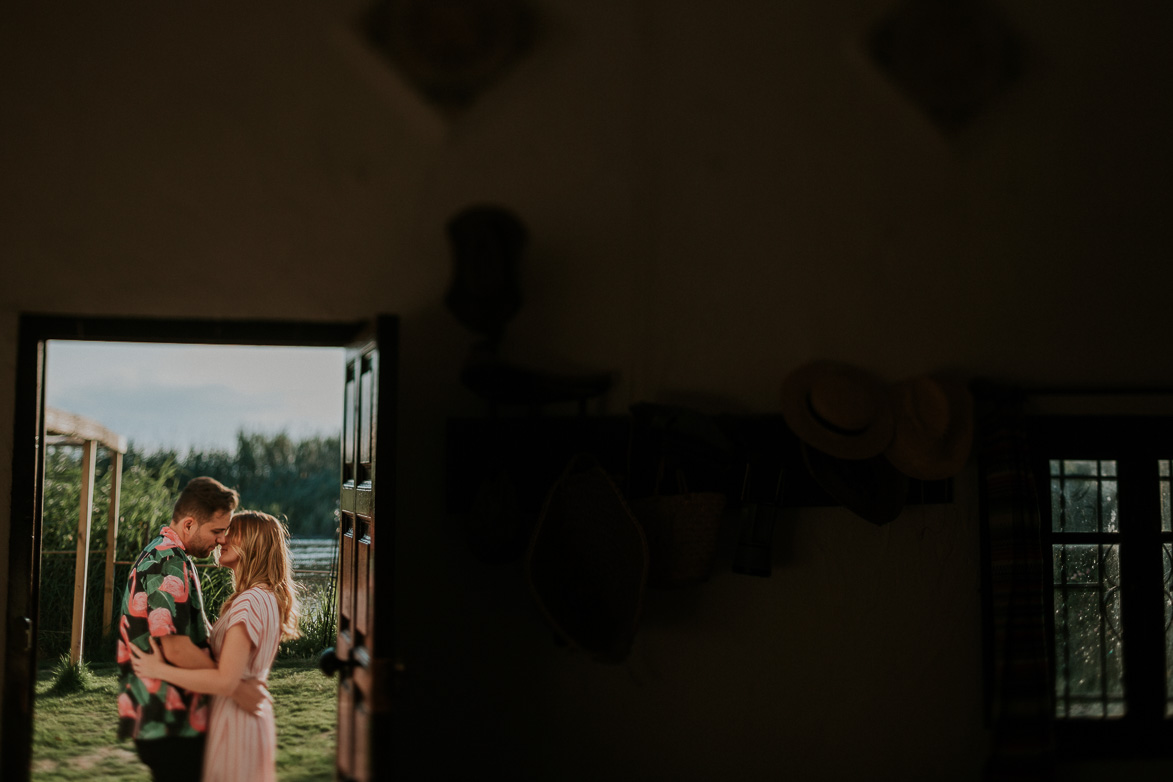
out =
column 74, row 734
column 306, row 703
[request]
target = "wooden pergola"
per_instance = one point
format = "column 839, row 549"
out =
column 62, row 428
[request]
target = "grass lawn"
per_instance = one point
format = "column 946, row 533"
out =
column 74, row 734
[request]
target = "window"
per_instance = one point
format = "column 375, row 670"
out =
column 1085, row 595
column 1107, row 523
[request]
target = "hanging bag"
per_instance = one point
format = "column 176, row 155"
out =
column 682, row 531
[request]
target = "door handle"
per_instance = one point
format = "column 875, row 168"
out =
column 329, row 663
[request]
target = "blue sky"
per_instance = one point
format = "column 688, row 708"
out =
column 197, row 396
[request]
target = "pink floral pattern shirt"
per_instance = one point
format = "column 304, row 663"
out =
column 162, row 597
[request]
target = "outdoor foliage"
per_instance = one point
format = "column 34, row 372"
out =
column 293, row 480
column 148, row 492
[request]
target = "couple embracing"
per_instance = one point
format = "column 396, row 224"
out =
column 193, row 696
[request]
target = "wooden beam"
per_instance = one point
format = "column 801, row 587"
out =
column 84, row 518
column 59, row 422
column 112, row 540
column 63, row 439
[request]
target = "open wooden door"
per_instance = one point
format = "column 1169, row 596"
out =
column 363, row 654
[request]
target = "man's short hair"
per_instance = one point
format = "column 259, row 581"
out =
column 203, row 498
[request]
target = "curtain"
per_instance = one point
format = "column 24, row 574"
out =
column 1019, row 699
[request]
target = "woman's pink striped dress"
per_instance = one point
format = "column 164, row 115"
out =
column 243, row 746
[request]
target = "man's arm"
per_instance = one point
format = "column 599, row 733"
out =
column 182, row 652
column 251, row 695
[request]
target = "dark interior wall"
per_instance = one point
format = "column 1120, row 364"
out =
column 863, row 231
column 713, row 199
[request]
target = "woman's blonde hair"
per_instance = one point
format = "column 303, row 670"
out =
column 262, row 543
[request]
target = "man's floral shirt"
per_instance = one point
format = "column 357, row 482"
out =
column 162, row 598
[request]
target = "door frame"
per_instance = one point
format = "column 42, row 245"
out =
column 28, row 464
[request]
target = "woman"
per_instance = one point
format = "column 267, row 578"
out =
column 261, row 612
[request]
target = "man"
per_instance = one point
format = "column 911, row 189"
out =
column 163, row 600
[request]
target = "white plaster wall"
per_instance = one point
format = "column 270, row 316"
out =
column 714, row 197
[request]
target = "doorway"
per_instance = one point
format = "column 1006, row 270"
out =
column 28, row 465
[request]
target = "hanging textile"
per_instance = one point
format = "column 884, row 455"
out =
column 1019, row 700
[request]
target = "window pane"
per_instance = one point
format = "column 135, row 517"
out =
column 1076, row 467
column 1081, row 501
column 365, row 413
column 1168, row 551
column 1089, row 676
column 348, row 430
column 1108, row 514
column 1083, row 496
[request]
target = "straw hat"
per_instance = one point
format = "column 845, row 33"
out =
column 934, row 427
column 839, row 409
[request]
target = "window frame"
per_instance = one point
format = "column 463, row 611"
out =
column 1136, row 444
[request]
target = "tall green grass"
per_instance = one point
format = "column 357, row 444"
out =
column 70, row 677
column 318, row 622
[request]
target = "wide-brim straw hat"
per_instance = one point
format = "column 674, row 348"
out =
column 838, row 408
column 934, row 427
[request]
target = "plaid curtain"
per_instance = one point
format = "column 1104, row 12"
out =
column 1019, row 700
